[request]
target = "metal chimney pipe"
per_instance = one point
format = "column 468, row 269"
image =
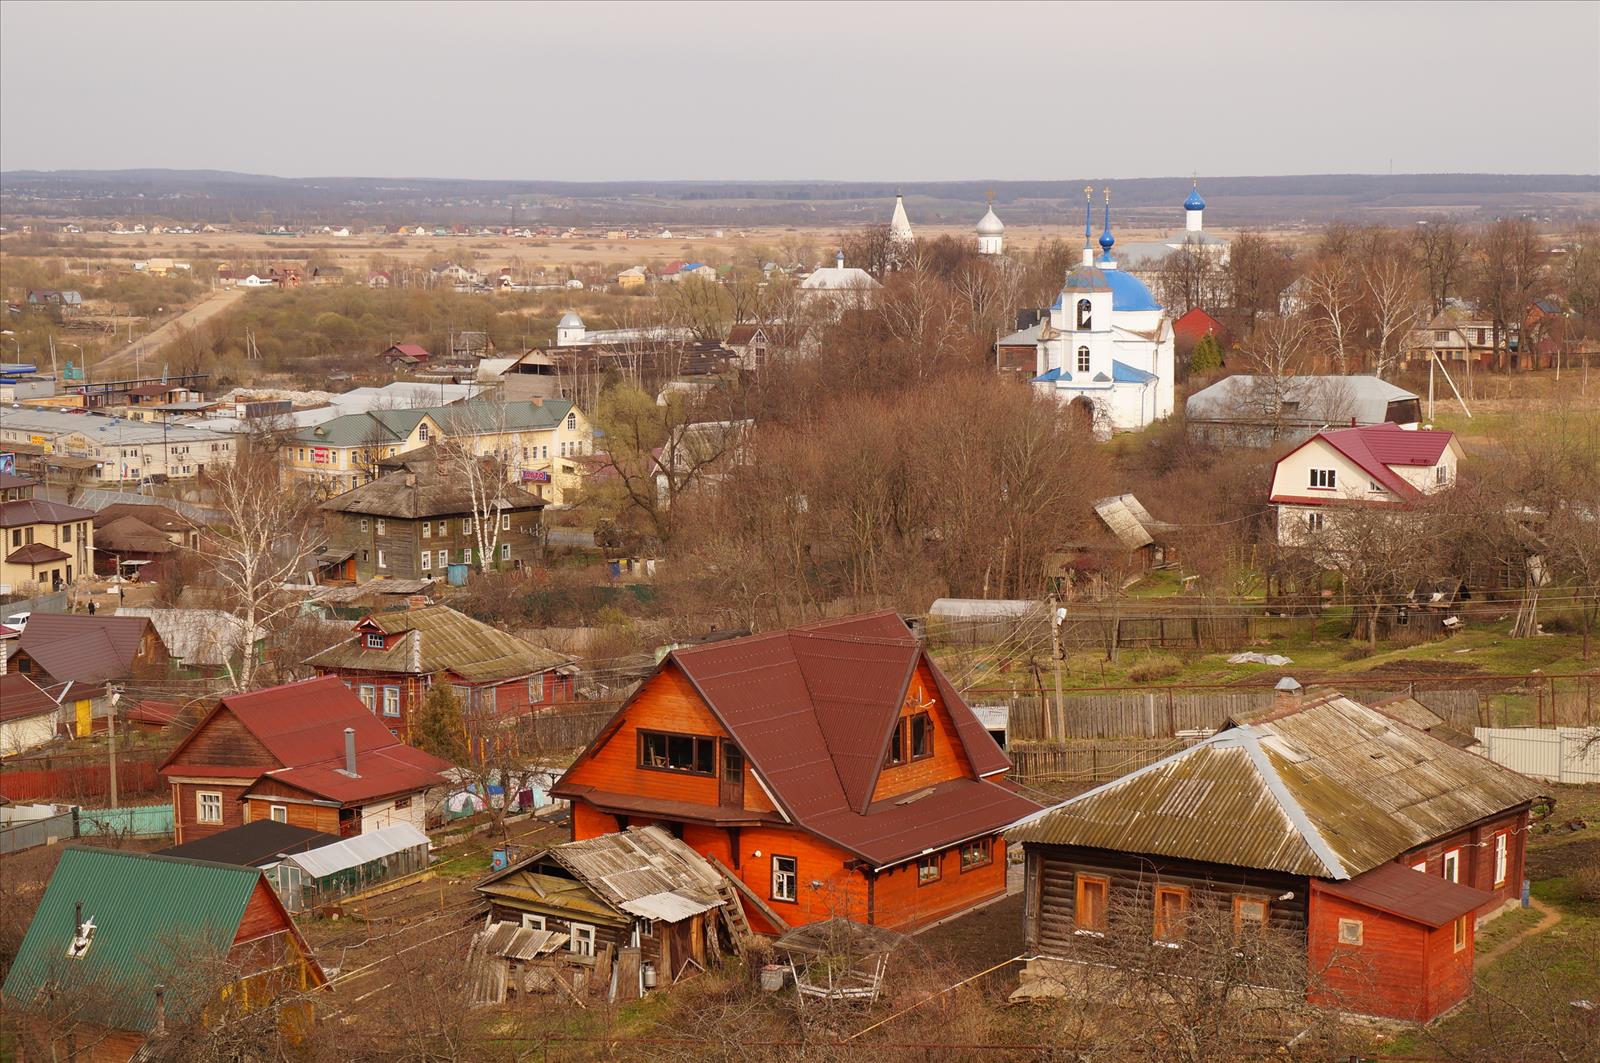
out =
column 350, row 750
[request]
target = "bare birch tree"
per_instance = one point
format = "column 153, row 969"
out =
column 1331, row 293
column 268, row 532
column 1395, row 300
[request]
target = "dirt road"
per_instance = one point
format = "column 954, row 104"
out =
column 128, row 358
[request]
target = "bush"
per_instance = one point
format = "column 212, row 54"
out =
column 1154, row 666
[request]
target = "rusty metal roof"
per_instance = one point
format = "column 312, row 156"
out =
column 440, row 639
column 1331, row 790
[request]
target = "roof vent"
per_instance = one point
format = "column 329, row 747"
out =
column 83, row 937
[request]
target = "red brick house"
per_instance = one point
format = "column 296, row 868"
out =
column 832, row 768
column 1375, row 845
column 309, row 754
column 392, row 659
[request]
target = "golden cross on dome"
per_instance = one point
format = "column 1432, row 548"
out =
column 1088, row 192
column 1108, row 195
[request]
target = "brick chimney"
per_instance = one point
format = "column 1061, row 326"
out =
column 1287, row 696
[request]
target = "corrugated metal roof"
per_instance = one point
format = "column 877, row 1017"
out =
column 1331, row 790
column 357, row 850
column 153, row 916
column 515, row 942
column 21, row 697
column 1117, row 515
column 638, row 864
column 446, row 640
column 1320, row 399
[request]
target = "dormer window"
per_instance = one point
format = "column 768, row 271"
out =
column 375, row 640
column 422, row 432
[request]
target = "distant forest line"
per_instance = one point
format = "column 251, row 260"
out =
column 220, row 196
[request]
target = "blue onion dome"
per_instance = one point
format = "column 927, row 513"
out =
column 1106, row 240
column 1194, row 202
column 1128, row 293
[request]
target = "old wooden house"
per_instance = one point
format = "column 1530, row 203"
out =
column 417, row 521
column 1373, row 845
column 832, row 768
column 127, row 947
column 639, row 898
column 307, row 753
column 392, row 659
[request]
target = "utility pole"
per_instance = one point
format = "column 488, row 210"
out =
column 1055, row 660
column 113, row 698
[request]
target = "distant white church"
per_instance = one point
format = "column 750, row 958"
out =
column 1106, row 346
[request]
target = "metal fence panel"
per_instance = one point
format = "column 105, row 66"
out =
column 1555, row 754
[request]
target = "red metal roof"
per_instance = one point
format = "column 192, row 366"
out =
column 1195, row 324
column 1415, row 895
column 20, row 697
column 393, row 769
column 82, row 648
column 1375, row 447
column 36, row 554
column 814, row 707
column 302, row 726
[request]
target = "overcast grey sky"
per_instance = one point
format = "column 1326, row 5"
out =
column 816, row 90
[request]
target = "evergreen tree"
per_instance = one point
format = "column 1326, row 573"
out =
column 1207, row 356
column 439, row 728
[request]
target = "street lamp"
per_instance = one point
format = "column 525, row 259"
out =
column 83, row 366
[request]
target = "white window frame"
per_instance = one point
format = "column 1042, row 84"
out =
column 505, row 551
column 1085, row 360
column 786, row 880
column 391, row 701
column 444, row 559
column 202, row 799
column 1314, row 522
column 374, row 640
column 368, row 693
column 381, row 562
column 582, row 941
column 1441, row 474
column 278, row 813
column 1351, row 932
column 427, row 529
column 466, row 555
column 1452, row 865
column 466, row 525
column 1502, row 858
column 535, row 689
column 378, row 526
column 427, row 560
column 1420, row 865
column 505, row 522
column 531, row 921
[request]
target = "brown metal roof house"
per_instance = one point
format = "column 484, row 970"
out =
column 1374, row 846
column 832, row 768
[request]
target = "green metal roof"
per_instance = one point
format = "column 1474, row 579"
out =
column 377, row 427
column 155, row 917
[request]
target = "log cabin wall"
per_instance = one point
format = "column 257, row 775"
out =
column 1052, row 877
column 186, row 825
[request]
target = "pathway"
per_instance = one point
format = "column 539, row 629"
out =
column 1549, row 918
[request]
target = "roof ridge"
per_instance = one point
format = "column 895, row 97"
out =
column 1250, row 742
column 805, row 681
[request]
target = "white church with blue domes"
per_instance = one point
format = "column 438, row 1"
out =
column 1106, row 346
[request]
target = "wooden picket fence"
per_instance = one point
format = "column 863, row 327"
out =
column 1165, row 713
column 1087, row 762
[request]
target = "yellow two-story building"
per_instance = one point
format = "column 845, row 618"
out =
column 47, row 545
column 539, row 441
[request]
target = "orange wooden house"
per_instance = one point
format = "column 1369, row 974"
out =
column 832, row 768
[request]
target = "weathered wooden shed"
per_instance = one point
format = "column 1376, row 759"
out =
column 640, row 900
